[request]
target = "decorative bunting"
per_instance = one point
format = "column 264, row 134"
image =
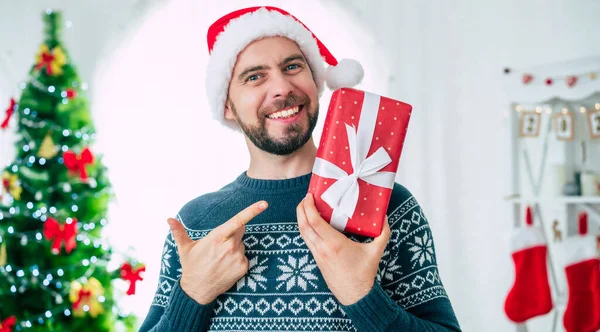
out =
column 570, row 80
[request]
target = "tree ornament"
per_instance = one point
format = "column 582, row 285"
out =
column 77, row 162
column 7, row 324
column 71, row 93
column 85, row 296
column 9, row 112
column 47, row 149
column 61, row 233
column 10, row 183
column 3, row 255
column 53, row 60
column 132, row 275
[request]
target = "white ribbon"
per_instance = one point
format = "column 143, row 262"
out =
column 342, row 196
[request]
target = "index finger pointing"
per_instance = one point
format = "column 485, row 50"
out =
column 228, row 229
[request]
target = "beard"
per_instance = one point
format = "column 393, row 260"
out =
column 295, row 136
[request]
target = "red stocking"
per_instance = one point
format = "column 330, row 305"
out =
column 580, row 258
column 530, row 295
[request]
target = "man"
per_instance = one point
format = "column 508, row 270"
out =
column 256, row 255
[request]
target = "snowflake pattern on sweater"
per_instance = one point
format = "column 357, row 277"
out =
column 284, row 289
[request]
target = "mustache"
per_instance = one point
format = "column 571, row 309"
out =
column 291, row 100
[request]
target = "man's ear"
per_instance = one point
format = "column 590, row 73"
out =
column 228, row 112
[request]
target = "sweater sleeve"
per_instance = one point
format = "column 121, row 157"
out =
column 408, row 294
column 172, row 309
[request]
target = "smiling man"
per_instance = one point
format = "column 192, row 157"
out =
column 256, row 255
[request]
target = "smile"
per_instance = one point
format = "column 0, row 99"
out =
column 286, row 113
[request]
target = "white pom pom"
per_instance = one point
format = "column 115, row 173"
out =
column 346, row 74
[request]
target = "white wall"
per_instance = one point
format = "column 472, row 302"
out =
column 144, row 62
column 448, row 58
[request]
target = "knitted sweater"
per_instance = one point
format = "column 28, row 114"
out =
column 284, row 289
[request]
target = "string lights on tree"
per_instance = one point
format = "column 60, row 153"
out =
column 55, row 271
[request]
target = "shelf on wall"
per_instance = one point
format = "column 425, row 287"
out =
column 559, row 199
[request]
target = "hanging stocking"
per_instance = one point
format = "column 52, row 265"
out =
column 581, row 261
column 530, row 294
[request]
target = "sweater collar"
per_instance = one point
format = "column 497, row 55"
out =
column 272, row 186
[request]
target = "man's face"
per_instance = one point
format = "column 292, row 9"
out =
column 273, row 96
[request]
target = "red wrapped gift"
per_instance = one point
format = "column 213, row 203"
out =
column 357, row 160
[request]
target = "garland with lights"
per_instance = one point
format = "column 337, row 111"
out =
column 563, row 120
column 56, row 269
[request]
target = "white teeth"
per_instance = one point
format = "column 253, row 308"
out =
column 284, row 113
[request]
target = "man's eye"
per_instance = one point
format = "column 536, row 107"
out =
column 252, row 78
column 292, row 67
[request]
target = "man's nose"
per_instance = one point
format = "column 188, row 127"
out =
column 281, row 86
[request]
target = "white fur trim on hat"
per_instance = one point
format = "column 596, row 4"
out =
column 347, row 73
column 237, row 35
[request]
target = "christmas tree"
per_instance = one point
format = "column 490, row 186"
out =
column 54, row 271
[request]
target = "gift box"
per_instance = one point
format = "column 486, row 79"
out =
column 357, row 160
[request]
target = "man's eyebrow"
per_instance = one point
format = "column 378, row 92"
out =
column 263, row 67
column 252, row 69
column 292, row 58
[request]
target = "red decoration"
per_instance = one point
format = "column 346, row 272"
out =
column 571, row 80
column 367, row 131
column 83, row 295
column 528, row 217
column 9, row 112
column 530, row 294
column 129, row 274
column 583, row 223
column 7, row 324
column 46, row 59
column 77, row 163
column 527, row 78
column 549, row 81
column 61, row 233
column 582, row 268
column 71, row 93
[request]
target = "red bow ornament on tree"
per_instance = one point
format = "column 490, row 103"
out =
column 53, row 60
column 128, row 273
column 9, row 112
column 75, row 162
column 7, row 324
column 59, row 233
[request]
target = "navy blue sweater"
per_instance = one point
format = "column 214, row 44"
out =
column 284, row 289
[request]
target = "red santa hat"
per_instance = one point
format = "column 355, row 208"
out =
column 230, row 34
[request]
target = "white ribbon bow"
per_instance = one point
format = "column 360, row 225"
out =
column 343, row 195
